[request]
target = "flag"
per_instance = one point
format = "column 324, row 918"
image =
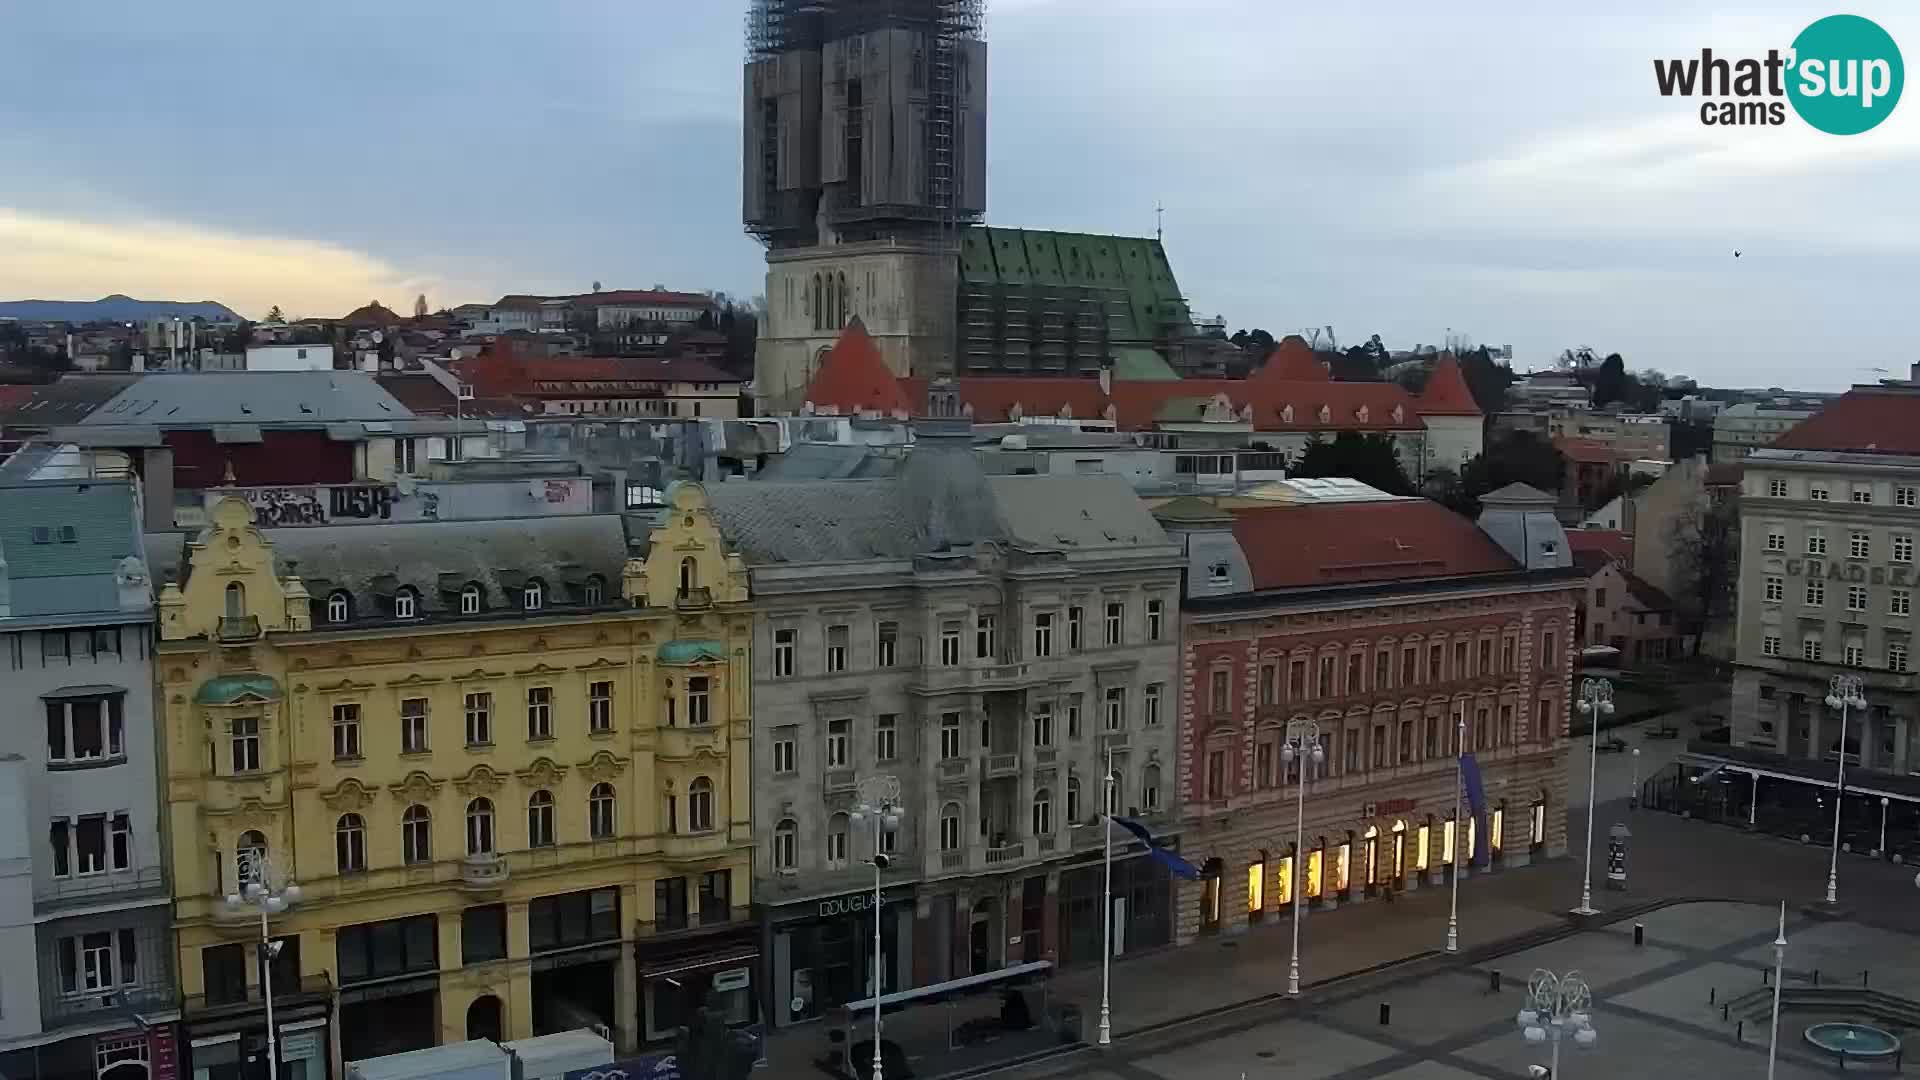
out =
column 1174, row 862
column 1477, row 802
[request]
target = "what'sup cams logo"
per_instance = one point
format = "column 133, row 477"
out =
column 1843, row 75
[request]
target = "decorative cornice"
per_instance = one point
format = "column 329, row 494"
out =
column 418, row 787
column 348, row 794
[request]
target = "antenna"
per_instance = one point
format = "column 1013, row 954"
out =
column 1159, row 220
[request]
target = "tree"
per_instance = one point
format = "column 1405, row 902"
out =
column 1370, row 459
column 1257, row 344
column 273, row 314
column 420, row 306
column 1486, row 380
column 1705, row 549
column 1518, row 457
column 1609, row 380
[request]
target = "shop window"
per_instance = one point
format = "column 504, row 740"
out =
column 576, row 918
column 1256, row 891
column 386, row 949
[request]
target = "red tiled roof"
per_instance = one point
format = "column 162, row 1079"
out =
column 1610, row 542
column 1865, row 419
column 854, row 379
column 507, row 373
column 1446, row 392
column 371, row 314
column 1344, row 543
column 1293, row 361
column 643, row 296
column 1137, row 403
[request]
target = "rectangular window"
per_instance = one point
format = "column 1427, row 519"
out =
column 483, row 934
column 1406, row 740
column 1816, row 541
column 1777, row 489
column 1858, row 545
column 670, row 903
column 85, row 729
column 1155, row 615
column 886, row 644
column 1263, row 765
column 1296, row 680
column 986, row 643
column 949, row 736
column 1459, row 660
column 1043, row 725
column 1856, row 656
column 1506, row 653
column 1776, row 589
column 1770, row 645
column 1776, row 540
column 836, row 648
column 59, row 838
column 413, row 726
column 1324, row 686
column 839, row 734
column 1217, row 692
column 1379, row 746
column 1818, row 493
column 1903, row 547
column 1217, row 774
column 1896, row 657
column 479, row 706
column 1269, row 684
column 90, row 845
column 1862, row 494
column 1151, row 705
column 1906, row 496
column 245, row 740
column 1116, row 699
column 885, row 732
column 784, row 640
column 1042, row 635
column 1073, row 716
column 1816, row 592
column 1382, row 669
column 1486, row 656
column 783, row 740
column 384, row 949
column 1810, row 648
column 716, row 897
column 1900, row 602
column 950, row 644
column 539, row 712
column 346, row 732
column 600, row 706
column 1116, row 622
column 1856, row 598
column 1432, row 743
column 120, row 841
column 1075, row 619
column 1351, row 740
column 699, row 710
column 1550, row 654
column 1435, row 656
column 1354, row 685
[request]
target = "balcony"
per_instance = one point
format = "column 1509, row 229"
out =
column 1006, row 853
column 985, row 678
column 684, row 743
column 483, row 873
column 689, row 847
column 1115, row 740
column 1045, row 756
column 93, row 889
column 238, row 629
column 838, row 780
column 999, row 765
column 698, row 598
column 952, row 769
column 953, row 860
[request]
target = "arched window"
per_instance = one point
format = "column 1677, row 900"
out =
column 600, row 807
column 689, row 575
column 1043, row 812
column 700, row 805
column 786, row 837
column 534, row 596
column 833, row 300
column 1150, row 788
column 840, row 304
column 416, row 835
column 540, row 819
column 350, row 844
column 1115, row 799
column 483, row 1018
column 339, row 606
column 470, row 600
column 837, row 845
column 236, row 600
column 480, row 827
column 405, row 603
column 594, row 592
column 1073, row 800
column 250, row 857
column 950, row 827
column 818, row 309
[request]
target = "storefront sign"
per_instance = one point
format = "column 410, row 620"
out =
column 299, row 1045
column 652, row 1067
column 165, row 1064
column 1834, row 570
column 853, row 903
column 1388, row 806
column 732, row 979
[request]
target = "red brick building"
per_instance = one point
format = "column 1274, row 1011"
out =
column 1378, row 626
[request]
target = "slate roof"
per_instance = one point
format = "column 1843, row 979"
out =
column 1074, row 513
column 829, row 461
column 201, row 399
column 1864, row 420
column 1346, row 543
column 61, row 577
column 1138, row 405
column 67, row 400
column 438, row 559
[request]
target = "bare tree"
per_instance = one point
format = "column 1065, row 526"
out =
column 1705, row 550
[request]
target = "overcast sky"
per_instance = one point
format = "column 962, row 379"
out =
column 1511, row 175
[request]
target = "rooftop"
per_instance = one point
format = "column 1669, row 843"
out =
column 854, row 379
column 1446, row 392
column 1864, row 420
column 61, row 544
column 200, row 399
column 1348, row 543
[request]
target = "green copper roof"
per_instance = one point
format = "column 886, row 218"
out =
column 1138, row 363
column 692, row 651
column 1135, row 267
column 228, row 689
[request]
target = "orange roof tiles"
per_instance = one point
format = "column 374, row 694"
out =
column 1610, row 542
column 1293, row 360
column 1446, row 392
column 854, row 379
column 1276, row 404
column 1865, row 419
column 1346, row 543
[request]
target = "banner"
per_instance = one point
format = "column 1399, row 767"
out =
column 1477, row 802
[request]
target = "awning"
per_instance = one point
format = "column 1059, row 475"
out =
column 346, row 432
column 236, row 433
column 1859, row 781
column 89, row 690
column 699, row 964
column 964, row 985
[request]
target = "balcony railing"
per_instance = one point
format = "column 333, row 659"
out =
column 1002, row 765
column 234, row 628
column 953, row 860
column 837, row 780
column 98, row 888
column 1006, row 853
column 1115, row 740
column 953, row 769
column 484, row 872
column 693, row 599
column 60, row 1009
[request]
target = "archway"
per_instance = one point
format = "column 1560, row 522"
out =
column 1370, row 857
column 1399, row 851
column 483, row 1018
column 982, row 935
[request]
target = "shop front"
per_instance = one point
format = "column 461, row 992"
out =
column 715, row 967
column 1142, row 907
column 135, row 1053
column 230, row 1042
column 820, row 951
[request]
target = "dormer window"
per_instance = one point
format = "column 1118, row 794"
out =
column 405, row 604
column 1217, row 573
column 339, row 607
column 470, row 600
column 594, row 592
column 534, row 596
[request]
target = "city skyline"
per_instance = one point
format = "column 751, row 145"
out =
column 1444, row 172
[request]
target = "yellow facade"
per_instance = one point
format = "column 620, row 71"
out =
column 614, row 678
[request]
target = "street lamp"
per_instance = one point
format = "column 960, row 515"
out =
column 879, row 800
column 1633, row 792
column 1779, row 975
column 1107, row 780
column 1459, row 786
column 265, row 887
column 1557, row 1007
column 1596, row 701
column 1302, row 745
column 1843, row 693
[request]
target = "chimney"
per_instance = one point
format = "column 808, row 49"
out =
column 130, row 580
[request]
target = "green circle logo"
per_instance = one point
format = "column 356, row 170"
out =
column 1846, row 76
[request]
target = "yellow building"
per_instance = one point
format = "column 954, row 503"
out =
column 505, row 763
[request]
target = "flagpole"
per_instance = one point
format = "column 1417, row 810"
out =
column 1459, row 782
column 1106, row 906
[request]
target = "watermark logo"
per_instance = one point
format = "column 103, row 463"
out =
column 1843, row 75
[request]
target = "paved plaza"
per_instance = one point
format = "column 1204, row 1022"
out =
column 1656, row 1008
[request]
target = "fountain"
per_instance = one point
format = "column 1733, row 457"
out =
column 1863, row 1042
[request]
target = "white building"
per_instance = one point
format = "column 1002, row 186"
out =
column 289, row 358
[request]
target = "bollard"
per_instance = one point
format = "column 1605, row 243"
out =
column 1766, row 976
column 1740, row 1031
column 1493, row 982
column 1816, row 976
column 1639, row 933
column 1712, row 992
column 1723, row 1012
column 1386, row 1010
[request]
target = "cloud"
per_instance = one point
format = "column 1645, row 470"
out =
column 65, row 258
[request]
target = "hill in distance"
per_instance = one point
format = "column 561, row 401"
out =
column 115, row 308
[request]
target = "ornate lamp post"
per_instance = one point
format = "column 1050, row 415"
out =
column 1843, row 693
column 1779, row 974
column 1303, row 746
column 265, row 887
column 1596, row 701
column 1558, row 1007
column 879, row 800
column 1107, row 780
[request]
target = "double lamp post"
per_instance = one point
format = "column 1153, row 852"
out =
column 265, row 888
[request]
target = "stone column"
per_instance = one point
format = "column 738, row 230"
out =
column 518, row 1011
column 626, row 981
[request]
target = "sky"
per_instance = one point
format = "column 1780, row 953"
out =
column 1403, row 169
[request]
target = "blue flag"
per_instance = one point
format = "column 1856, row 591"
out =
column 1477, row 802
column 1173, row 861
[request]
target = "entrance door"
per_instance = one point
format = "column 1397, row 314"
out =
column 980, row 949
column 483, row 1018
column 1370, row 857
column 1399, row 851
